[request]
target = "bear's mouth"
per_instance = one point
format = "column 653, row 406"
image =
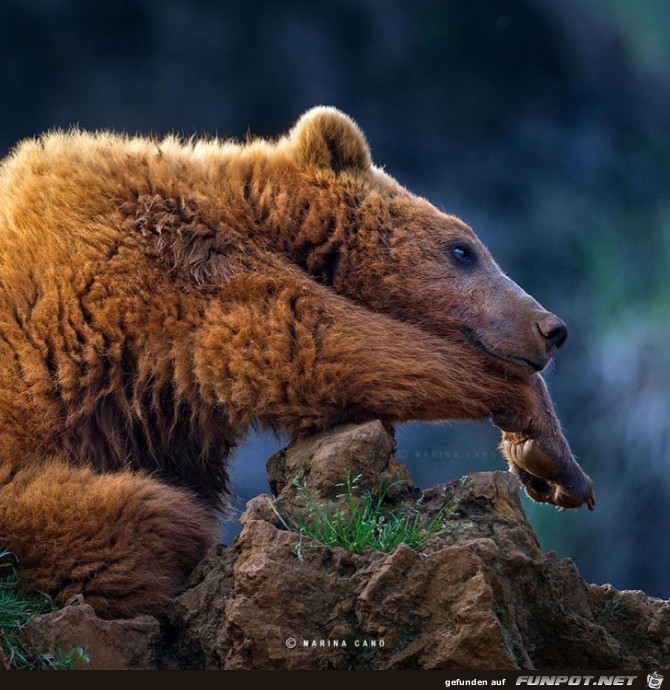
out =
column 528, row 364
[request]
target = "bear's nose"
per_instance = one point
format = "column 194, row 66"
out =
column 553, row 330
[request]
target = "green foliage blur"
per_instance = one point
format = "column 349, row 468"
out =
column 543, row 123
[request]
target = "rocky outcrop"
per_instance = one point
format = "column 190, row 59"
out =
column 480, row 595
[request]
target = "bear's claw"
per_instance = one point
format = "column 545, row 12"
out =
column 545, row 479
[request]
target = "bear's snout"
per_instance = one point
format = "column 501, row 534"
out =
column 553, row 331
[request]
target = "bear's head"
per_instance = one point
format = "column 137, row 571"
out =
column 396, row 253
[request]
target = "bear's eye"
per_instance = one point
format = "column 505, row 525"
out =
column 463, row 255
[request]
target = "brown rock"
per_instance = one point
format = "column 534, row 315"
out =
column 481, row 595
column 261, row 507
column 110, row 644
column 324, row 460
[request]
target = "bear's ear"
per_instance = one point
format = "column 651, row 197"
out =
column 180, row 235
column 327, row 139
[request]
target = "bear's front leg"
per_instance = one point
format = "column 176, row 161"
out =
column 537, row 451
column 298, row 357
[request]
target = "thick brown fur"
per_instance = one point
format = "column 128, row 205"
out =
column 157, row 299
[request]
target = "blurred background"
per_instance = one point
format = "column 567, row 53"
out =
column 545, row 124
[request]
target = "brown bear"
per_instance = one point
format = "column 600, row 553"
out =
column 159, row 298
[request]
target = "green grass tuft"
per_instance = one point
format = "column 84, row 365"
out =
column 362, row 523
column 613, row 607
column 16, row 610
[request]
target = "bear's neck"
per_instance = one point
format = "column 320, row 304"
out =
column 310, row 225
